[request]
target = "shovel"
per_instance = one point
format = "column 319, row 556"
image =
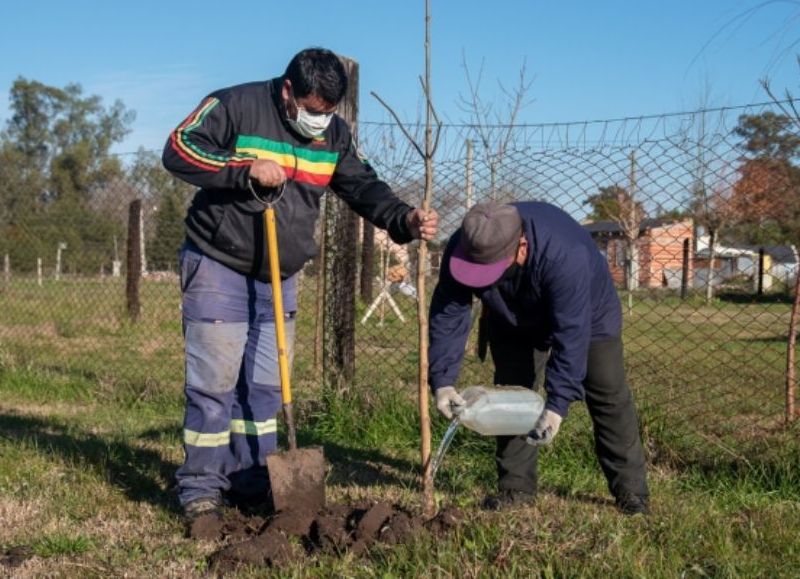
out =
column 296, row 476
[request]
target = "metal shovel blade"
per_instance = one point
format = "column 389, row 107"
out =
column 297, row 478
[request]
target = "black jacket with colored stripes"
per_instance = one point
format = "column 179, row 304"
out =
column 214, row 148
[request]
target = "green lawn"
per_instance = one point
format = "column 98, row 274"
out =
column 90, row 413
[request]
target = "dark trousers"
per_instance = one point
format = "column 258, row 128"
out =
column 616, row 428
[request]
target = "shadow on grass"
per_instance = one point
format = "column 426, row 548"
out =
column 350, row 465
column 749, row 298
column 566, row 492
column 779, row 339
column 142, row 474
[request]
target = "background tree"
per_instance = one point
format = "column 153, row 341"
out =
column 768, row 135
column 607, row 204
column 494, row 128
column 708, row 193
column 56, row 153
column 165, row 201
column 766, row 202
column 710, row 207
column 620, row 205
column 766, row 197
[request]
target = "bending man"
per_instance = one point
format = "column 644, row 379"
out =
column 553, row 317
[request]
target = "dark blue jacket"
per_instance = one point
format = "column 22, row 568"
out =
column 564, row 294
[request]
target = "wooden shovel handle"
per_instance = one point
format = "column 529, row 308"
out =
column 280, row 330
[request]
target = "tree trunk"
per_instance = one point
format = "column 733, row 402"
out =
column 428, row 498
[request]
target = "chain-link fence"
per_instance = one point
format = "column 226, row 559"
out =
column 696, row 225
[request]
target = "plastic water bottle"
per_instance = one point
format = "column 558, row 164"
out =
column 501, row 411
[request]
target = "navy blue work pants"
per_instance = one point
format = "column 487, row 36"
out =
column 232, row 382
column 618, row 446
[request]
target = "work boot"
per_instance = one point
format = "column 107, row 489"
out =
column 197, row 508
column 508, row 499
column 203, row 519
column 631, row 504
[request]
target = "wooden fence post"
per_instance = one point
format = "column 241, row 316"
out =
column 791, row 381
column 134, row 258
column 340, row 266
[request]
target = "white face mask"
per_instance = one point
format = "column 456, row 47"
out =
column 310, row 125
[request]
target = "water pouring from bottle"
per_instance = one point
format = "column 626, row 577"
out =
column 498, row 411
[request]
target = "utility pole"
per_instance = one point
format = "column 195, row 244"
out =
column 468, row 184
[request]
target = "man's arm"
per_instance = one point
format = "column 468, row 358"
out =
column 197, row 151
column 356, row 182
column 449, row 325
column 566, row 280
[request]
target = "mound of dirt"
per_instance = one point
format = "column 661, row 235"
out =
column 334, row 530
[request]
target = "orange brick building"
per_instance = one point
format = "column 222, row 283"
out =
column 660, row 251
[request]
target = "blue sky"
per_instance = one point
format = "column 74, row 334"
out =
column 588, row 60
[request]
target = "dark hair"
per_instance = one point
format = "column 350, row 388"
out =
column 317, row 71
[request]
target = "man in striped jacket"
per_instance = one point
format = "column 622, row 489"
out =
column 275, row 135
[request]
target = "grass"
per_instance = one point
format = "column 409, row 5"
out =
column 91, row 406
column 93, row 498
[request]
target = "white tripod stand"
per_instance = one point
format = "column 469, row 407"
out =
column 388, row 279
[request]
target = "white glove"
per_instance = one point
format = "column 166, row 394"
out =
column 545, row 429
column 449, row 402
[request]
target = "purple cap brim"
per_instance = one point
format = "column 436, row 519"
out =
column 473, row 274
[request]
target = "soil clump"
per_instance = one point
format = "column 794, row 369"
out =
column 291, row 535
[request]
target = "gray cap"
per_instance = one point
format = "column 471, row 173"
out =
column 490, row 233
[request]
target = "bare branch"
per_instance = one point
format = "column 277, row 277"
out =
column 435, row 117
column 477, row 110
column 517, row 103
column 399, row 123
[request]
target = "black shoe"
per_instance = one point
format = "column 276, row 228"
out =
column 631, row 504
column 508, row 499
column 203, row 506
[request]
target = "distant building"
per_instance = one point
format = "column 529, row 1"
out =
column 739, row 261
column 785, row 262
column 660, row 251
